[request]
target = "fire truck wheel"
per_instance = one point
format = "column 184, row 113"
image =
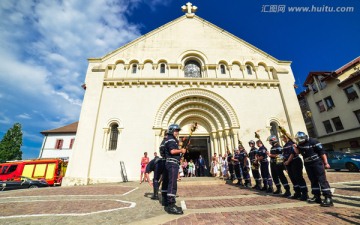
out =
column 33, row 186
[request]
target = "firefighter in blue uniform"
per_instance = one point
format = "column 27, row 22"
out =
column 237, row 167
column 294, row 167
column 315, row 162
column 156, row 165
column 173, row 155
column 230, row 164
column 244, row 165
column 277, row 166
column 254, row 165
column 262, row 155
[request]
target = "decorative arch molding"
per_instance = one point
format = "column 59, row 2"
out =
column 217, row 104
column 188, row 119
column 186, row 107
column 148, row 61
column 223, row 62
column 114, row 120
column 273, row 119
column 193, row 54
column 213, row 124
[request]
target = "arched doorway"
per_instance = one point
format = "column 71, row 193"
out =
column 217, row 120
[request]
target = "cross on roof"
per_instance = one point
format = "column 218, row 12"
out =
column 189, row 9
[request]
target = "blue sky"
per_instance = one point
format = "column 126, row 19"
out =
column 44, row 46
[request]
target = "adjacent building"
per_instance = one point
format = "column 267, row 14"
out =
column 59, row 142
column 332, row 98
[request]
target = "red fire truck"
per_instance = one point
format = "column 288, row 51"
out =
column 51, row 170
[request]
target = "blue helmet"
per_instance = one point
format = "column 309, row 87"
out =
column 272, row 139
column 301, row 137
column 252, row 142
column 172, row 128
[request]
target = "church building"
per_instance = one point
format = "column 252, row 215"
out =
column 186, row 71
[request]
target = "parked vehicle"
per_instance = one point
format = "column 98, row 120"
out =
column 22, row 183
column 340, row 160
column 51, row 170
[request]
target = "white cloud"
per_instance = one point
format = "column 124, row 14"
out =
column 24, row 116
column 43, row 49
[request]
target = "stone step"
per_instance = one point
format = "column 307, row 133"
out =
column 200, row 181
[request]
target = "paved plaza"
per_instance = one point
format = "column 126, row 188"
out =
column 204, row 200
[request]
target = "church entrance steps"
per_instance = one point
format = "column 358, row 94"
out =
column 200, row 181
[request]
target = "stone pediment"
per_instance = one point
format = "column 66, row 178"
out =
column 172, row 40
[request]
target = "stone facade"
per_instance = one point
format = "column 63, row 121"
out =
column 186, row 71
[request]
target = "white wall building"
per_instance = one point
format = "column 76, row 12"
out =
column 188, row 70
column 58, row 143
column 333, row 99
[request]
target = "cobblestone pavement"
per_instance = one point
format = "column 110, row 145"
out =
column 204, row 200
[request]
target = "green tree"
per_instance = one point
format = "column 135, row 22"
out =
column 10, row 145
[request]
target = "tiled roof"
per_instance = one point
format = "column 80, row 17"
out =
column 71, row 128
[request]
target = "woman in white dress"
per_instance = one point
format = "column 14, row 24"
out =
column 224, row 167
column 214, row 167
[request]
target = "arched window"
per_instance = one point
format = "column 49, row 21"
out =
column 222, row 69
column 249, row 69
column 162, row 68
column 274, row 129
column 134, row 68
column 114, row 134
column 192, row 69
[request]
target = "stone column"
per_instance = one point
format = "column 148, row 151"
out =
column 157, row 138
column 215, row 142
column 234, row 133
column 222, row 142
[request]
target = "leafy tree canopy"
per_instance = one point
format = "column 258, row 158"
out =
column 10, row 145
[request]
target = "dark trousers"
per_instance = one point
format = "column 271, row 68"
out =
column 169, row 186
column 296, row 175
column 277, row 172
column 264, row 168
column 237, row 169
column 317, row 176
column 159, row 167
column 201, row 170
column 231, row 170
column 246, row 173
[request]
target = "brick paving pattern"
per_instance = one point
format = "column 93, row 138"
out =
column 63, row 207
column 76, row 190
column 299, row 216
column 220, row 190
column 264, row 200
column 348, row 191
column 219, row 203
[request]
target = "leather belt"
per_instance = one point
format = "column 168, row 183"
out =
column 172, row 160
column 311, row 158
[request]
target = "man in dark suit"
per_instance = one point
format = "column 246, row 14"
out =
column 201, row 166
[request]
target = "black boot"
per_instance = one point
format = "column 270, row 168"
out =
column 173, row 209
column 304, row 196
column 327, row 202
column 270, row 189
column 164, row 201
column 287, row 192
column 315, row 199
column 155, row 195
column 296, row 196
column 264, row 188
column 278, row 190
column 258, row 182
column 240, row 183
